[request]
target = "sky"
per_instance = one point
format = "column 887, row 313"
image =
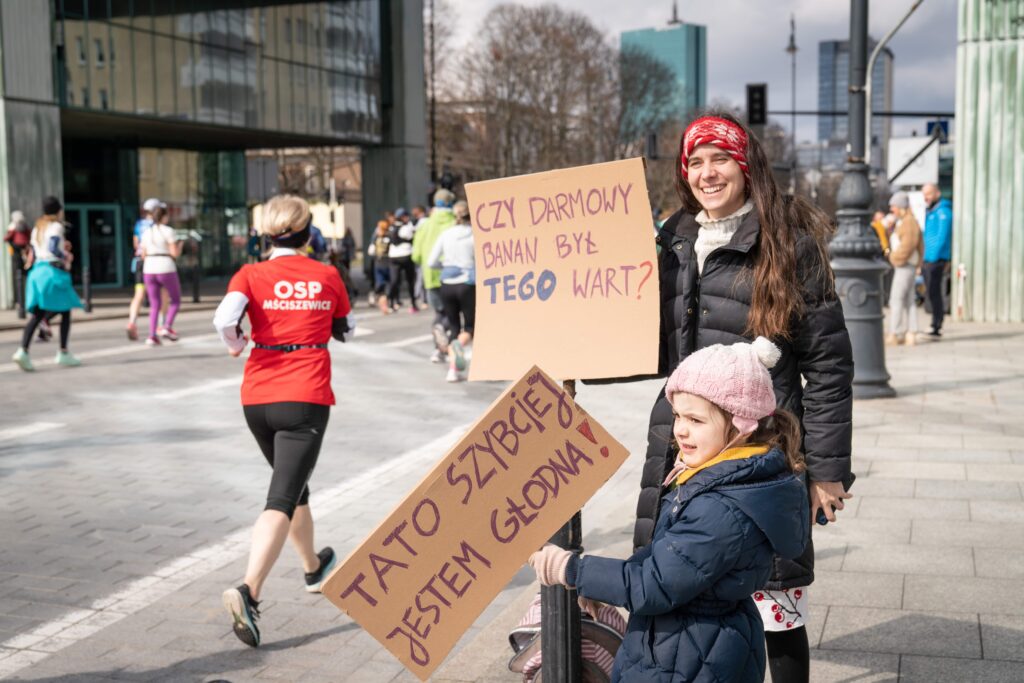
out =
column 747, row 41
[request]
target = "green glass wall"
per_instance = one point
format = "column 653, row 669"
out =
column 988, row 179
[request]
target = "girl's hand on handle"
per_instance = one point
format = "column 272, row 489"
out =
column 824, row 496
column 550, row 562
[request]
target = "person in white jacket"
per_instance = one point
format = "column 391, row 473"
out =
column 453, row 254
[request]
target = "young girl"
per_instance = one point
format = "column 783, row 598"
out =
column 733, row 499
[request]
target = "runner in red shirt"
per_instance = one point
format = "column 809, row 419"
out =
column 295, row 305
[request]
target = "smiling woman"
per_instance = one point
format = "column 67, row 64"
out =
column 738, row 261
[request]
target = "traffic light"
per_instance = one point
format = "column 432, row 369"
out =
column 757, row 104
column 651, row 146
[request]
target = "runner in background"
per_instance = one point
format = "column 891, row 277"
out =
column 401, row 234
column 160, row 250
column 441, row 218
column 141, row 226
column 453, row 255
column 295, row 305
column 48, row 289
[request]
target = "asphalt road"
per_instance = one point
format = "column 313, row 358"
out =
column 111, row 470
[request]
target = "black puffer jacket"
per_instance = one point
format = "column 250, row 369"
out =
column 701, row 310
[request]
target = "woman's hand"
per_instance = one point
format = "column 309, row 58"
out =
column 824, row 496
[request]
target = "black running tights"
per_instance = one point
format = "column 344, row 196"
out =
column 38, row 316
column 789, row 656
column 289, row 434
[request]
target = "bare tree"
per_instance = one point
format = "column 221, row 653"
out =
column 646, row 102
column 543, row 80
column 445, row 57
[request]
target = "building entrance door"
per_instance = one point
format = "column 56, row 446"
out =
column 98, row 238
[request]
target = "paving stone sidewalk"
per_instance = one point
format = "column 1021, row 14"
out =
column 917, row 582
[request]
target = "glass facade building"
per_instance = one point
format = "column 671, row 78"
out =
column 833, row 95
column 108, row 102
column 304, row 69
column 307, row 68
column 683, row 48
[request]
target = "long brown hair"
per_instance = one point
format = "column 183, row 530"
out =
column 42, row 223
column 777, row 298
column 781, row 430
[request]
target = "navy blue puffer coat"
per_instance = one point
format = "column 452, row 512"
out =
column 688, row 592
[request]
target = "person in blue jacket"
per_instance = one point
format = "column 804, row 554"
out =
column 938, row 250
column 734, row 497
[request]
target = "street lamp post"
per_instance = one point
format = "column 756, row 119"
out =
column 855, row 251
column 792, row 50
column 433, row 98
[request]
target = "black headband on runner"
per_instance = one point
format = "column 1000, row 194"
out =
column 293, row 240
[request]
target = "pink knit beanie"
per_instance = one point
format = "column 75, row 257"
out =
column 735, row 378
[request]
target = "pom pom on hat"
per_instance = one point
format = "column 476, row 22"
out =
column 735, row 378
column 768, row 353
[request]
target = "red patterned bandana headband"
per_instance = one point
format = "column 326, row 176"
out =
column 723, row 134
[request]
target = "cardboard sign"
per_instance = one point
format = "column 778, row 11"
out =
column 428, row 571
column 566, row 274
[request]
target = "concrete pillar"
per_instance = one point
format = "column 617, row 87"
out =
column 395, row 172
column 30, row 146
column 988, row 177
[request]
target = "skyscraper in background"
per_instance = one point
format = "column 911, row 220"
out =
column 683, row 48
column 833, row 95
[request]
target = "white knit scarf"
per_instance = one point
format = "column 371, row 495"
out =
column 717, row 232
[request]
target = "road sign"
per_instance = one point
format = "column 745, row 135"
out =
column 924, row 170
column 943, row 127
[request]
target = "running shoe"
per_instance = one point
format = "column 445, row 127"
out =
column 45, row 334
column 22, row 360
column 315, row 580
column 168, row 334
column 244, row 612
column 414, row 309
column 437, row 356
column 453, row 375
column 132, row 331
column 152, row 341
column 440, row 337
column 66, row 359
column 460, row 355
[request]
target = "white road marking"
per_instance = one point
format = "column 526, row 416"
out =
column 412, row 341
column 28, row 430
column 26, row 649
column 234, row 381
